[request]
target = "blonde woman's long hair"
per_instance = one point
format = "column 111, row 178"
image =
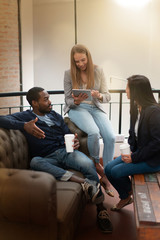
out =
column 75, row 72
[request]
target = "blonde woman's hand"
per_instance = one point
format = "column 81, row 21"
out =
column 96, row 94
column 81, row 97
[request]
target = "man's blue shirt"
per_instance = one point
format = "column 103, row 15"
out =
column 54, row 136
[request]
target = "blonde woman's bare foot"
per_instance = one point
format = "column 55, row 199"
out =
column 105, row 184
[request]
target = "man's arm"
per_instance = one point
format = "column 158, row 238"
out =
column 10, row 122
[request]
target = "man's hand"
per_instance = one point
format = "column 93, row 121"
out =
column 31, row 128
column 76, row 142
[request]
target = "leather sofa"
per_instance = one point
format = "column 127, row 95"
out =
column 33, row 205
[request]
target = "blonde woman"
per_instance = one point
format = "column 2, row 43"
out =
column 89, row 116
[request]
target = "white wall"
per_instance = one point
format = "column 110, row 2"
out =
column 155, row 44
column 53, row 38
column 122, row 40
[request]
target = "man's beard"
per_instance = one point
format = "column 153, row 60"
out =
column 46, row 110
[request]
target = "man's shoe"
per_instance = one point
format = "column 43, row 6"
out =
column 122, row 203
column 104, row 221
column 99, row 198
column 91, row 189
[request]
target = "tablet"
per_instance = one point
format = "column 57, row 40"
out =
column 76, row 92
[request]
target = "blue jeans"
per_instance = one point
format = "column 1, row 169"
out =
column 118, row 173
column 59, row 161
column 94, row 122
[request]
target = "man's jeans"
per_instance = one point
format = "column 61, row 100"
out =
column 59, row 161
column 118, row 173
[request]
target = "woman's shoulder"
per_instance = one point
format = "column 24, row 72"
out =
column 98, row 71
column 154, row 106
column 97, row 68
column 68, row 72
column 153, row 109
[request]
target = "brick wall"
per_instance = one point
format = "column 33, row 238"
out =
column 9, row 52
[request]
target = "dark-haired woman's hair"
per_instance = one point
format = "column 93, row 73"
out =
column 140, row 93
column 33, row 94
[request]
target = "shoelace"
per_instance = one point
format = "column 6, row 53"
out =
column 103, row 214
column 85, row 187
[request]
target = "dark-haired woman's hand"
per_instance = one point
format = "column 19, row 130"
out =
column 126, row 158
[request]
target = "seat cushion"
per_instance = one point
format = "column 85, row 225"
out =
column 70, row 203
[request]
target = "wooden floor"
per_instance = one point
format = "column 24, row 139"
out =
column 123, row 223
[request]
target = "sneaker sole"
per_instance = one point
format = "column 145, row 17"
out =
column 106, row 231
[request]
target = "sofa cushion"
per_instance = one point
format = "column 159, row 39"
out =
column 70, row 202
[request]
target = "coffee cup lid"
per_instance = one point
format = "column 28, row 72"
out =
column 123, row 146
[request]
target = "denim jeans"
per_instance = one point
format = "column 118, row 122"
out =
column 59, row 161
column 118, row 173
column 94, row 122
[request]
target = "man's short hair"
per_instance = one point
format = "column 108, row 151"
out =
column 33, row 94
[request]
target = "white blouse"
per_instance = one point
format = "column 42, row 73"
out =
column 136, row 124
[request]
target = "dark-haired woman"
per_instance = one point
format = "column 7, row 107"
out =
column 144, row 140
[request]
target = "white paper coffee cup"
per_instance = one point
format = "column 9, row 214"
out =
column 69, row 142
column 125, row 148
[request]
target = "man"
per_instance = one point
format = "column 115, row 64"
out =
column 44, row 130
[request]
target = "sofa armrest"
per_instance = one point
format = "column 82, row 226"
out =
column 28, row 197
column 82, row 136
